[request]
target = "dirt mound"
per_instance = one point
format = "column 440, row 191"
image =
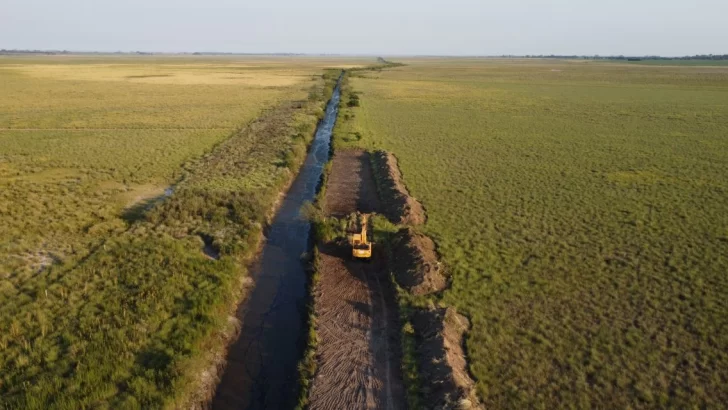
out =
column 398, row 205
column 415, row 263
column 441, row 359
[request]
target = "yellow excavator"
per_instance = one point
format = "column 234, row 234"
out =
column 361, row 248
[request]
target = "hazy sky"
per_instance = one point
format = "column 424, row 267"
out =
column 386, row 27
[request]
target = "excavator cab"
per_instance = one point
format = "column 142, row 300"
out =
column 361, row 248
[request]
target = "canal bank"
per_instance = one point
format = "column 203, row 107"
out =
column 261, row 363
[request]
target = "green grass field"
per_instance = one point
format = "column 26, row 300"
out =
column 106, row 301
column 82, row 139
column 582, row 209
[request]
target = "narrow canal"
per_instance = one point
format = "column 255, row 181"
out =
column 261, row 368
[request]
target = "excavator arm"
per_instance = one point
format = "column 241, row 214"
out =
column 361, row 247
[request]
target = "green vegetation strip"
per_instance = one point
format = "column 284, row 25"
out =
column 308, row 365
column 321, row 231
column 137, row 322
column 384, row 233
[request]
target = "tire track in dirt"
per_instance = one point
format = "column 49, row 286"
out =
column 358, row 353
column 351, row 185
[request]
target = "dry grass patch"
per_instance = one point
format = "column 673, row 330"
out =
column 175, row 75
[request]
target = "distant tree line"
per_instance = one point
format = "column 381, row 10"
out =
column 627, row 58
column 45, row 52
column 214, row 53
column 196, row 53
column 59, row 52
column 386, row 64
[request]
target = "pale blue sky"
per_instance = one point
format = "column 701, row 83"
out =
column 382, row 27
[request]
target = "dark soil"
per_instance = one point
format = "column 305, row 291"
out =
column 358, row 353
column 441, row 359
column 416, row 266
column 351, row 187
column 439, row 332
column 398, row 205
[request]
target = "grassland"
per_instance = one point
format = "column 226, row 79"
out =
column 581, row 209
column 105, row 302
column 82, row 139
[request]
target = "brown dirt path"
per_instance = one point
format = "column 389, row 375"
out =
column 358, row 353
column 351, row 185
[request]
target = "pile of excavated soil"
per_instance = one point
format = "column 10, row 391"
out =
column 359, row 351
column 441, row 359
column 350, row 186
column 415, row 263
column 398, row 205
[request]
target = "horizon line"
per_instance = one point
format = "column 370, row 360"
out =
column 5, row 51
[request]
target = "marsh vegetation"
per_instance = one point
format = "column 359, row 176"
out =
column 128, row 309
column 581, row 209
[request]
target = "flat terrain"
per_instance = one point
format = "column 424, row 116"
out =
column 119, row 178
column 351, row 184
column 358, row 352
column 358, row 358
column 581, row 209
column 83, row 140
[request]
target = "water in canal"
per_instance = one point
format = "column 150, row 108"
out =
column 261, row 368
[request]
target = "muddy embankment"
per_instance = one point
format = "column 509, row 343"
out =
column 443, row 378
column 398, row 205
column 358, row 353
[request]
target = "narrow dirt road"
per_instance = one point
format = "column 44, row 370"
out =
column 358, row 353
